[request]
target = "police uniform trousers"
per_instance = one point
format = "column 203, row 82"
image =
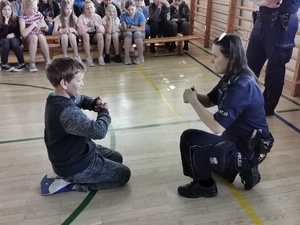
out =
column 203, row 153
column 270, row 41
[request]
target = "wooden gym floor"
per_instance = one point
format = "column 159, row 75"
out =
column 148, row 116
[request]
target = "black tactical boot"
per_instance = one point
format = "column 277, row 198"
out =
column 250, row 177
column 194, row 190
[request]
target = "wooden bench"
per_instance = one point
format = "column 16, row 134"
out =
column 55, row 47
column 179, row 39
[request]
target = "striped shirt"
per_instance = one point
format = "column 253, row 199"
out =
column 37, row 17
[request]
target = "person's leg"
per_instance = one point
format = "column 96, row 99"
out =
column 87, row 49
column 174, row 31
column 279, row 43
column 44, row 47
column 105, row 171
column 107, row 47
column 74, row 45
column 127, row 44
column 198, row 159
column 15, row 45
column 116, row 41
column 64, row 40
column 274, row 79
column 256, row 54
column 166, row 29
column 185, row 29
column 5, row 47
column 138, row 39
column 147, row 31
column 153, row 34
column 31, row 42
column 98, row 38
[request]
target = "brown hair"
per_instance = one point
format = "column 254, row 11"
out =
column 63, row 69
column 62, row 15
column 129, row 3
column 13, row 20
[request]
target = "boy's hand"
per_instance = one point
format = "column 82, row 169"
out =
column 98, row 104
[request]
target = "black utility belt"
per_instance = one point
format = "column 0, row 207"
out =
column 263, row 17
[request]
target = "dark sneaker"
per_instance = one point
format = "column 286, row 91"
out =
column 19, row 67
column 173, row 45
column 152, row 49
column 118, row 59
column 194, row 190
column 186, row 48
column 250, row 177
column 107, row 58
column 6, row 67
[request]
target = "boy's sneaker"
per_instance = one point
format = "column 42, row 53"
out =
column 19, row 67
column 139, row 60
column 6, row 67
column 250, row 177
column 101, row 61
column 127, row 60
column 77, row 58
column 118, row 59
column 32, row 67
column 89, row 62
column 107, row 58
column 194, row 190
column 51, row 185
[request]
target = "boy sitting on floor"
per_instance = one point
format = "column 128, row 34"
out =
column 78, row 162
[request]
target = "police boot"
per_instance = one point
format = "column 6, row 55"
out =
column 250, row 177
column 195, row 190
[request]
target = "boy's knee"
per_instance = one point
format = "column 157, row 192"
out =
column 126, row 174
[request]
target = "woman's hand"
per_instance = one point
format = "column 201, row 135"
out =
column 189, row 95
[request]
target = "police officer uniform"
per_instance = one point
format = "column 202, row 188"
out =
column 272, row 39
column 240, row 112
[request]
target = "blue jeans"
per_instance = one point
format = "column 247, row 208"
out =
column 50, row 29
column 105, row 171
column 203, row 153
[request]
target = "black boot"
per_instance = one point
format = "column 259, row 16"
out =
column 186, row 46
column 250, row 177
column 195, row 190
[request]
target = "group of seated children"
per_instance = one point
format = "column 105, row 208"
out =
column 35, row 22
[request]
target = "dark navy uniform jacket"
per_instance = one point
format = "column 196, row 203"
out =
column 240, row 108
column 287, row 6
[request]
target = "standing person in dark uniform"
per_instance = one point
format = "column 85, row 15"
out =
column 159, row 16
column 240, row 120
column 272, row 39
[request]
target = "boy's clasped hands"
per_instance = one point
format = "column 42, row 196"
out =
column 99, row 104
